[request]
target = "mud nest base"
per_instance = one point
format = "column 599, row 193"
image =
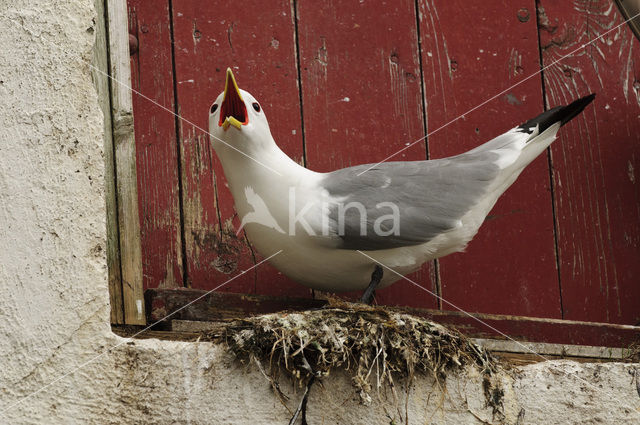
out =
column 374, row 345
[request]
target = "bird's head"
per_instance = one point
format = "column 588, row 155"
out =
column 237, row 119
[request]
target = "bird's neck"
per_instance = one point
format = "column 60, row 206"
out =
column 270, row 166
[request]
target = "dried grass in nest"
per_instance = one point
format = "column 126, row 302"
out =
column 373, row 344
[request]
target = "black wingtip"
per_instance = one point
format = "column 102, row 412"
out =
column 561, row 114
column 575, row 107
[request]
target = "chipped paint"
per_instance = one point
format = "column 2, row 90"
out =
column 512, row 99
column 627, row 73
column 319, row 67
column 398, row 82
column 229, row 34
column 514, row 63
column 197, row 35
column 432, row 13
column 139, row 311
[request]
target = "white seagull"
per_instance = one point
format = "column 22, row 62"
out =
column 335, row 229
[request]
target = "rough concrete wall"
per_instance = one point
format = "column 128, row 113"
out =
column 53, row 308
column 53, row 289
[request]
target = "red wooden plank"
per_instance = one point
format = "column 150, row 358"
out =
column 596, row 193
column 260, row 48
column 223, row 306
column 156, row 150
column 360, row 76
column 471, row 52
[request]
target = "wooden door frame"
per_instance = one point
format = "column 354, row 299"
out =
column 111, row 73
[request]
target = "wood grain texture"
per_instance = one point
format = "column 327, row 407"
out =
column 125, row 159
column 471, row 52
column 101, row 82
column 260, row 48
column 156, row 146
column 597, row 198
column 362, row 97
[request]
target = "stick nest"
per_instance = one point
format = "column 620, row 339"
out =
column 373, row 344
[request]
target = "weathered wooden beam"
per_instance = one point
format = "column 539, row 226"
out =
column 218, row 305
column 556, row 350
column 125, row 161
column 221, row 306
column 521, row 352
column 101, row 81
column 534, row 329
column 127, row 331
column 193, row 331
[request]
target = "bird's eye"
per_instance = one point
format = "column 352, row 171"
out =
column 214, row 107
column 256, row 107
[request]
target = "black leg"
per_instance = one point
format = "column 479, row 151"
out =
column 304, row 401
column 376, row 277
column 302, row 408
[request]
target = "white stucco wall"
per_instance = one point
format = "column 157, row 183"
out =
column 54, row 314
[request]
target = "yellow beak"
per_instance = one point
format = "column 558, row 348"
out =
column 233, row 112
column 231, row 121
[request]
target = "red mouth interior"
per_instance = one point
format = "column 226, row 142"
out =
column 233, row 106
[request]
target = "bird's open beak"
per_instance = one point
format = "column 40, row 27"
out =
column 233, row 112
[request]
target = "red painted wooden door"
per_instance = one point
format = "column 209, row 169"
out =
column 352, row 82
column 594, row 162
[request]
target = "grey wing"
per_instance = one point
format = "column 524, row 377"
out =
column 430, row 198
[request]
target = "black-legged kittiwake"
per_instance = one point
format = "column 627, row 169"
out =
column 334, row 228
